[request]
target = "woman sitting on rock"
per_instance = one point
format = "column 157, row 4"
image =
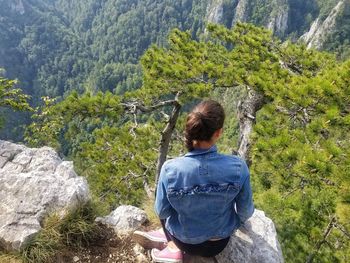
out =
column 202, row 197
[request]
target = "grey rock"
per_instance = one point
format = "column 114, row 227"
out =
column 215, row 11
column 125, row 219
column 139, row 253
column 255, row 242
column 241, row 12
column 33, row 183
column 320, row 30
column 278, row 22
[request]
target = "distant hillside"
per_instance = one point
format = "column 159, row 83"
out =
column 56, row 46
column 323, row 24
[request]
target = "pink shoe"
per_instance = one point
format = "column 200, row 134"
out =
column 166, row 255
column 152, row 239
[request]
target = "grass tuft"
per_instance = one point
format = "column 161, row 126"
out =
column 76, row 229
column 79, row 226
column 10, row 258
column 148, row 207
column 43, row 247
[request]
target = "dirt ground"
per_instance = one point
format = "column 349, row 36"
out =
column 107, row 248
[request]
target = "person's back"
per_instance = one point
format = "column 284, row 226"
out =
column 201, row 197
column 203, row 188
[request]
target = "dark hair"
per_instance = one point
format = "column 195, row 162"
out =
column 206, row 118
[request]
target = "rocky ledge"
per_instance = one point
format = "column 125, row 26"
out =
column 33, row 183
column 256, row 241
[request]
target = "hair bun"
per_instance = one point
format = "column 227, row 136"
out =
column 199, row 114
column 207, row 117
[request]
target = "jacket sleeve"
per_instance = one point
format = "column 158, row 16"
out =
column 162, row 206
column 244, row 199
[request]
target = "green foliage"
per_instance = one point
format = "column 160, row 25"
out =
column 57, row 47
column 51, row 118
column 325, row 6
column 104, row 144
column 62, row 43
column 76, row 228
column 260, row 8
column 300, row 162
column 120, row 162
column 43, row 247
column 302, row 14
column 11, row 97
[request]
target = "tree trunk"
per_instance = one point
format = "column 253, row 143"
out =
column 165, row 139
column 246, row 114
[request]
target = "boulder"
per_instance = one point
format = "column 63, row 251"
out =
column 33, row 183
column 254, row 242
column 125, row 219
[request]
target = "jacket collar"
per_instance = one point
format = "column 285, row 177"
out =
column 202, row 151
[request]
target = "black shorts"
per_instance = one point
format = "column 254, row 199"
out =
column 206, row 249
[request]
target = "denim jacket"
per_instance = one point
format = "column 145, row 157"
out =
column 204, row 195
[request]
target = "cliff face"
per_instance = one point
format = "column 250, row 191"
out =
column 320, row 30
column 278, row 21
column 215, row 11
column 285, row 18
column 241, row 12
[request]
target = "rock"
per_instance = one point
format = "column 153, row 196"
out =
column 33, row 183
column 141, row 259
column 196, row 259
column 76, row 259
column 319, row 31
column 138, row 249
column 215, row 11
column 255, row 242
column 278, row 22
column 241, row 12
column 125, row 219
column 140, row 254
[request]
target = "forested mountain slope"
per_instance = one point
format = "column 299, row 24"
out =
column 56, row 46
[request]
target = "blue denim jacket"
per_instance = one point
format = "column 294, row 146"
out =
column 204, row 195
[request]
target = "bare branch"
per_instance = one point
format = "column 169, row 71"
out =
column 342, row 229
column 319, row 244
column 136, row 106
